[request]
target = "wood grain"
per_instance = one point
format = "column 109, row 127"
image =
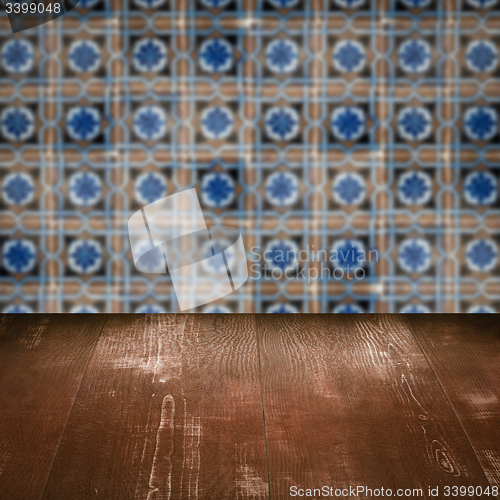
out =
column 170, row 408
column 464, row 352
column 352, row 401
column 42, row 360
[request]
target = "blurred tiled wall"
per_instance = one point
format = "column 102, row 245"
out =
column 317, row 125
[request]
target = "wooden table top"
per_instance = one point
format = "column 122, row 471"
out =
column 165, row 406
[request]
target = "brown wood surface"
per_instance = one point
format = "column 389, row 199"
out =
column 351, row 400
column 464, row 352
column 170, row 408
column 42, row 360
column 180, row 406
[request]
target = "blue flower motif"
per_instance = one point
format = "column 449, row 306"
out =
column 150, row 309
column 349, row 189
column 17, row 309
column 83, row 123
column 217, row 122
column 415, row 255
column 282, row 123
column 481, row 188
column 150, row 123
column 282, row 308
column 414, row 124
column 84, row 56
column 84, row 256
column 149, row 55
column 481, row 123
column 283, row 4
column 482, row 4
column 350, row 308
column 149, row 4
column 481, row 56
column 18, row 124
column 282, row 56
column 416, row 4
column 84, row 189
column 414, row 188
column 415, row 309
column 415, row 56
column 215, row 4
column 217, row 189
column 84, row 309
column 18, row 189
column 481, row 309
column 281, row 255
column 150, row 187
column 18, row 56
column 348, row 254
column 216, row 56
column 154, row 262
column 282, row 189
column 349, row 56
column 217, row 310
column 19, row 256
column 481, row 255
column 349, row 4
column 348, row 123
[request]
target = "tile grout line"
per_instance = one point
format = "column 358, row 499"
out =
column 263, row 410
column 73, row 405
column 446, row 396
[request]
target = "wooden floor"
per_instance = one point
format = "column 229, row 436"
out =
column 219, row 407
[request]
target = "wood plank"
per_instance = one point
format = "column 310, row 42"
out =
column 42, row 360
column 464, row 352
column 350, row 400
column 170, row 408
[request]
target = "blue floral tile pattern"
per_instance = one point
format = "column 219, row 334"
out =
column 17, row 123
column 281, row 255
column 85, row 189
column 84, row 256
column 84, row 56
column 83, row 123
column 348, row 123
column 282, row 56
column 482, row 56
column 481, row 123
column 415, row 188
column 282, row 123
column 349, row 56
column 481, row 188
column 216, row 56
column 348, row 254
column 415, row 255
column 414, row 124
column 18, row 56
column 18, row 256
column 150, row 187
column 150, row 123
column 351, row 138
column 282, row 189
column 481, row 255
column 217, row 122
column 415, row 56
column 150, row 55
column 349, row 189
column 217, row 189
